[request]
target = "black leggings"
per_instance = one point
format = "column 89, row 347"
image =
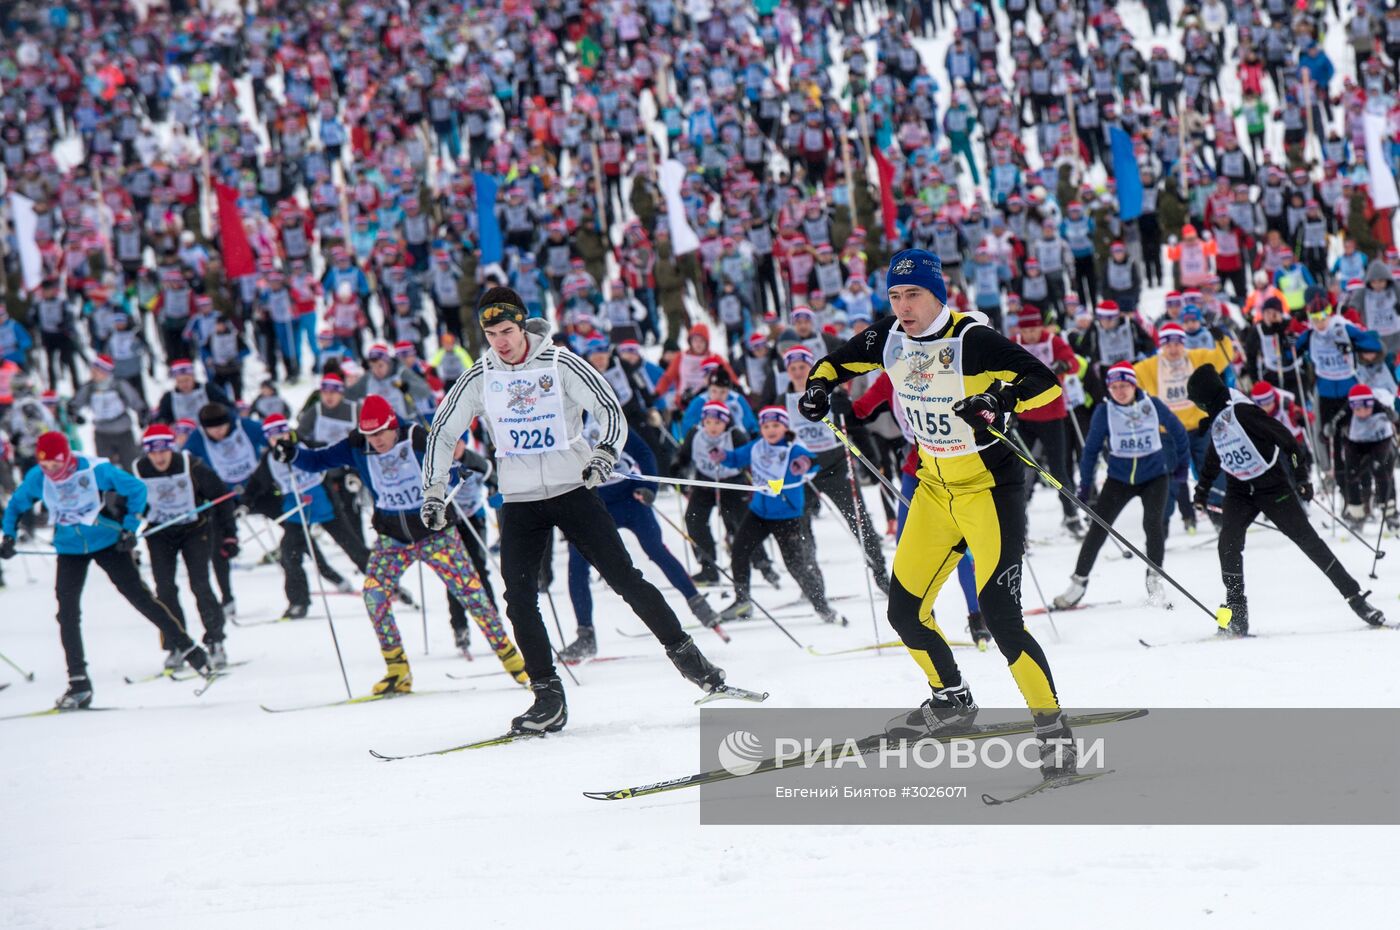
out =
column 194, row 545
column 71, row 576
column 1050, row 434
column 455, row 611
column 733, row 506
column 793, row 543
column 1287, row 514
column 1112, row 499
column 585, row 522
column 834, row 480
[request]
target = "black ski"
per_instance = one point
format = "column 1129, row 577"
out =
column 181, row 675
column 363, row 699
column 864, row 746
column 511, row 737
column 1063, row 781
column 730, row 693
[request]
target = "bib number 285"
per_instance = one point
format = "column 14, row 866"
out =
column 532, row 438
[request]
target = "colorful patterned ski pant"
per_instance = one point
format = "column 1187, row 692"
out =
column 443, row 553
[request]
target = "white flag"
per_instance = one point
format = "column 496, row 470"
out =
column 683, row 238
column 24, row 222
column 1382, row 179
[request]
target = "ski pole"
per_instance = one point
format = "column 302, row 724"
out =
column 772, row 487
column 1376, row 550
column 856, row 503
column 28, row 676
column 1221, row 616
column 258, row 531
column 851, row 449
column 1376, row 555
column 1049, row 611
column 320, row 581
column 494, row 558
column 152, row 530
column 686, row 536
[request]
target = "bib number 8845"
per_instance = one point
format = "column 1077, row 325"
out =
column 532, row 438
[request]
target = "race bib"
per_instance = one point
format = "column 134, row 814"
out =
column 526, row 411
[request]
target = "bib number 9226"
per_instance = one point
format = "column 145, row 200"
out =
column 532, row 438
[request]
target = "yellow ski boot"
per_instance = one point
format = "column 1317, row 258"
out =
column 398, row 679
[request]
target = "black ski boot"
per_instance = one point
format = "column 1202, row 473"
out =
column 703, row 611
column 462, row 639
column 1058, row 757
column 549, row 713
column 978, row 628
column 584, row 647
column 948, row 712
column 770, row 575
column 1239, row 619
column 706, row 575
column 296, row 611
column 692, row 664
column 174, row 661
column 196, row 658
column 218, row 656
column 1363, row 609
column 78, row 696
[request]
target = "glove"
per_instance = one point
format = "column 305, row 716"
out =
column 7, row 547
column 241, row 511
column 654, row 418
column 645, row 495
column 981, row 411
column 228, row 549
column 1198, row 500
column 126, row 541
column 434, row 511
column 1305, row 490
column 284, row 450
column 815, row 402
column 599, row 466
column 352, row 483
column 1059, row 366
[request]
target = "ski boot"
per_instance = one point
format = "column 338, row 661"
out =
column 739, row 610
column 405, row 598
column 1156, row 592
column 174, row 661
column 828, row 615
column 1392, row 519
column 345, row 585
column 549, row 713
column 703, row 611
column 1078, row 584
column 229, row 607
column 398, row 679
column 1239, row 619
column 1363, row 609
column 218, row 656
column 1058, row 757
column 1074, row 526
column 462, row 639
column 693, row 666
column 1354, row 516
column 977, row 626
column 770, row 575
column 296, row 611
column 78, row 696
column 514, row 662
column 708, row 574
column 947, row 712
column 882, row 582
column 583, row 647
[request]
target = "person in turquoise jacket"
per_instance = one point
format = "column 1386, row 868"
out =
column 87, row 530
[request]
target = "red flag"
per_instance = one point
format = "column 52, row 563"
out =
column 887, row 206
column 238, row 254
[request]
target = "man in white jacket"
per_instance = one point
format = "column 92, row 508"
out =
column 532, row 395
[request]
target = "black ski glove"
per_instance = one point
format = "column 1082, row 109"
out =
column 1202, row 495
column 1305, row 490
column 126, row 541
column 228, row 549
column 284, row 451
column 981, row 411
column 646, row 495
column 815, row 402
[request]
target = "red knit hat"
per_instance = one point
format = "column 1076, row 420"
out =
column 376, row 415
column 158, row 436
column 53, row 447
column 1359, row 394
column 1263, row 392
column 1123, row 371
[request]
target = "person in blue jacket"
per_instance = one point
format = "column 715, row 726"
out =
column 775, row 459
column 1331, row 345
column 86, row 531
column 1145, row 444
column 233, row 450
column 15, row 341
column 629, row 504
column 719, row 388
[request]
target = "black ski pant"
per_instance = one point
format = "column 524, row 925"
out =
column 1112, row 499
column 733, row 505
column 798, row 555
column 834, row 480
column 1367, row 462
column 194, row 545
column 583, row 519
column 1054, row 454
column 455, row 611
column 71, row 576
column 1283, row 510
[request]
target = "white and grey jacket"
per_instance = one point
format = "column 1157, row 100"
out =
column 528, row 477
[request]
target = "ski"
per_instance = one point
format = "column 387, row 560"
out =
column 208, row 682
column 1223, row 637
column 730, row 693
column 1037, row 611
column 362, row 699
column 894, row 644
column 181, row 675
column 596, row 659
column 268, row 622
column 511, row 737
column 864, row 746
column 55, row 711
column 801, row 601
column 4, row 685
column 491, row 674
column 1063, row 781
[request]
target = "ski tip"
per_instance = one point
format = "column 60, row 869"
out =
column 1144, row 644
column 380, row 756
column 619, row 795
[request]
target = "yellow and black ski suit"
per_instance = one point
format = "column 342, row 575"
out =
column 971, row 493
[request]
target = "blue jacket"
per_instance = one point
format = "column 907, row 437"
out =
column 786, row 504
column 621, row 491
column 1176, row 449
column 736, row 402
column 1318, row 65
column 14, row 342
column 1363, row 340
column 195, row 445
column 80, row 539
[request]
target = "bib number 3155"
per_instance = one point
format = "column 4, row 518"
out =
column 532, row 438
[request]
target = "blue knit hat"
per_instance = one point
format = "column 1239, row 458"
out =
column 919, row 267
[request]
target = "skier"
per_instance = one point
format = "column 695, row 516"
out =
column 953, row 377
column 176, row 484
column 1367, row 431
column 533, row 395
column 113, row 401
column 1266, row 475
column 1140, row 464
column 387, row 456
column 86, row 531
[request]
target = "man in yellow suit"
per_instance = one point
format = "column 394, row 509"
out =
column 1164, row 376
column 953, row 378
